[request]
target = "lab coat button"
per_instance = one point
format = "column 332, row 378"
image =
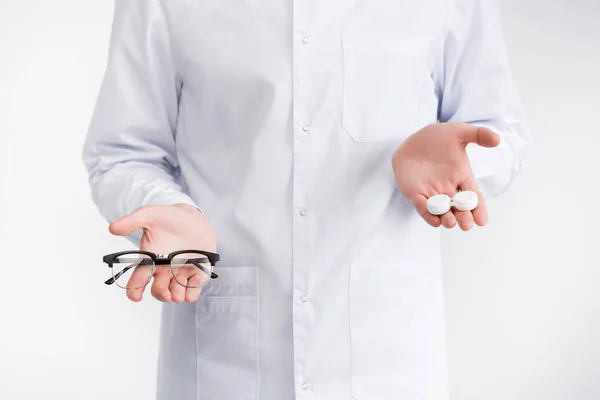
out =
column 304, row 299
column 305, row 39
column 304, row 386
column 303, row 212
column 306, row 128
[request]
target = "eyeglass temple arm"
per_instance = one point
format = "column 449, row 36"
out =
column 118, row 275
column 127, row 268
column 197, row 261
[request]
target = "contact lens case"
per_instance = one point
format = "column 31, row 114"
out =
column 462, row 201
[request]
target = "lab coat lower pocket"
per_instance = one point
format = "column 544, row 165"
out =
column 385, row 326
column 227, row 334
column 383, row 85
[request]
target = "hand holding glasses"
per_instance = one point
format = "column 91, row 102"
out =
column 134, row 269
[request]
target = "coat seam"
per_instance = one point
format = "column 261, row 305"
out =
column 196, row 336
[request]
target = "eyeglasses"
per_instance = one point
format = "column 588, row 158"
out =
column 134, row 269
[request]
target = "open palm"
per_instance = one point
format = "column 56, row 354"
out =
column 434, row 161
column 167, row 229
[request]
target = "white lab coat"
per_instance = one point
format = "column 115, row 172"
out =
column 279, row 120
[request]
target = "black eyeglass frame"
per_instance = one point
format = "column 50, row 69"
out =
column 166, row 259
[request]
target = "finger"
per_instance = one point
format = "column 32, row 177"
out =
column 465, row 219
column 420, row 203
column 448, row 220
column 480, row 213
column 178, row 288
column 193, row 290
column 479, row 135
column 130, row 223
column 160, row 286
column 137, row 282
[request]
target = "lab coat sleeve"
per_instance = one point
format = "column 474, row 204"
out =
column 130, row 149
column 475, row 86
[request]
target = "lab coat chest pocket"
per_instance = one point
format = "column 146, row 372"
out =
column 227, row 334
column 384, row 80
column 385, row 328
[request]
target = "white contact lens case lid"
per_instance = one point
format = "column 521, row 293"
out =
column 462, row 201
column 439, row 204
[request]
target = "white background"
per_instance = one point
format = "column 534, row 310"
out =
column 523, row 294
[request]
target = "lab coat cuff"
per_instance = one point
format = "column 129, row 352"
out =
column 486, row 162
column 171, row 198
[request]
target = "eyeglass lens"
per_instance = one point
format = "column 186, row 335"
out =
column 191, row 269
column 132, row 270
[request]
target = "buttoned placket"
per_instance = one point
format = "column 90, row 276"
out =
column 302, row 215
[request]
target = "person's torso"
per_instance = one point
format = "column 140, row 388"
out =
column 330, row 283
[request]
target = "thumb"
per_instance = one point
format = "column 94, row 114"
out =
column 482, row 136
column 128, row 224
